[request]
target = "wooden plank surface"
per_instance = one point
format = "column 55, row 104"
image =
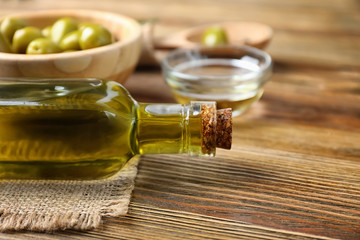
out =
column 294, row 170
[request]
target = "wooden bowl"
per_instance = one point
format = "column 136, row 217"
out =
column 239, row 33
column 115, row 61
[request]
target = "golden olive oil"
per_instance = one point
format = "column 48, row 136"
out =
column 238, row 106
column 232, row 83
column 86, row 128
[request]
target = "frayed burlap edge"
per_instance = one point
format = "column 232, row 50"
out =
column 46, row 206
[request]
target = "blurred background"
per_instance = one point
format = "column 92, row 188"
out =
column 305, row 30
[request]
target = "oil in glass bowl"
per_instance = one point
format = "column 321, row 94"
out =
column 234, row 77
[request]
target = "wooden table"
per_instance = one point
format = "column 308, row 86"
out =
column 294, row 170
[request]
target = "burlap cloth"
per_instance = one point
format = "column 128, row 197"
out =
column 58, row 205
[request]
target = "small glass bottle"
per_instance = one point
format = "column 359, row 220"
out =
column 89, row 128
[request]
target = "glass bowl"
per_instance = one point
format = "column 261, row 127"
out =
column 233, row 76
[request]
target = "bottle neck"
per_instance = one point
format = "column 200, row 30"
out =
column 172, row 128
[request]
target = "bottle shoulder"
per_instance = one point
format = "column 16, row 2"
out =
column 118, row 99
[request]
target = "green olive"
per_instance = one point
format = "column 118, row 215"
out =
column 42, row 46
column 23, row 37
column 70, row 41
column 4, row 44
column 214, row 36
column 9, row 26
column 94, row 35
column 62, row 27
column 46, row 31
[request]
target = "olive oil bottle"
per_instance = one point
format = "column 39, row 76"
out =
column 89, row 128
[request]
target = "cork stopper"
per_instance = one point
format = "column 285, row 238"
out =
column 224, row 128
column 216, row 128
